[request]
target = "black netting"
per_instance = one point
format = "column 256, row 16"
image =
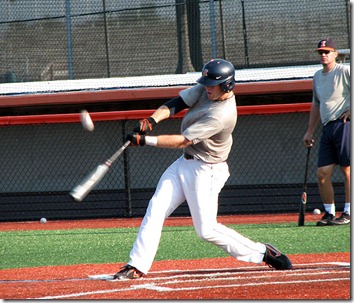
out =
column 44, row 163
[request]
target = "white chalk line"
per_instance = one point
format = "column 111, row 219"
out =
column 226, row 271
column 214, row 277
column 220, row 276
column 169, row 289
column 238, row 270
column 160, row 289
column 344, row 264
column 245, row 270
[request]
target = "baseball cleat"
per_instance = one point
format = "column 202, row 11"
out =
column 327, row 219
column 342, row 220
column 274, row 258
column 128, row 272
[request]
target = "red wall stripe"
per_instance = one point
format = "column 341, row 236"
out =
column 138, row 114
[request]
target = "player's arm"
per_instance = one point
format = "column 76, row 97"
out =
column 169, row 109
column 165, row 111
column 172, row 141
column 163, row 141
column 313, row 121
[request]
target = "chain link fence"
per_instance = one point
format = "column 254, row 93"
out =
column 43, row 40
column 45, row 162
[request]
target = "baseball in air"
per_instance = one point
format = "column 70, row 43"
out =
column 316, row 211
column 86, row 121
column 43, row 220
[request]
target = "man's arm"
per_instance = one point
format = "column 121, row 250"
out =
column 172, row 141
column 165, row 111
column 169, row 109
column 162, row 113
column 163, row 141
column 313, row 121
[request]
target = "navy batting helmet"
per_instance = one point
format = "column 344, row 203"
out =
column 218, row 72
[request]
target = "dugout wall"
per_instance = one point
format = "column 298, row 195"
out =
column 45, row 156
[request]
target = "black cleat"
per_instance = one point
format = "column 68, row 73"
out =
column 326, row 219
column 274, row 258
column 128, row 272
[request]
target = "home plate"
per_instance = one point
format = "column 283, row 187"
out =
column 105, row 277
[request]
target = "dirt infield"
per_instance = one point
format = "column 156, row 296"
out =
column 314, row 276
column 319, row 276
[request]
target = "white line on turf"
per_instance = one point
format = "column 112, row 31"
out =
column 216, row 276
column 239, row 270
column 221, row 276
column 160, row 289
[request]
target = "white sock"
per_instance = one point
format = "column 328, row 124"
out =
column 330, row 208
column 347, row 207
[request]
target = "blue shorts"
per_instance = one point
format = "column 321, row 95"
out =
column 335, row 144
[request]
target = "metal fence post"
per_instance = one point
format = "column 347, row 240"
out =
column 68, row 32
column 106, row 38
column 212, row 28
column 127, row 185
column 245, row 42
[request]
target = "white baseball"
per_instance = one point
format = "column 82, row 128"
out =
column 43, row 220
column 316, row 211
column 86, row 121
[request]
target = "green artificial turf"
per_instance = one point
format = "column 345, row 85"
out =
column 112, row 245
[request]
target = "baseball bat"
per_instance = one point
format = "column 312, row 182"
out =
column 303, row 202
column 81, row 190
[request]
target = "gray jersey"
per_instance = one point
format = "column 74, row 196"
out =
column 332, row 92
column 208, row 124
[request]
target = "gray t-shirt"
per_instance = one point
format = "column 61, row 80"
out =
column 332, row 92
column 208, row 124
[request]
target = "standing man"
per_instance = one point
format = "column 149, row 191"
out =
column 331, row 105
column 199, row 174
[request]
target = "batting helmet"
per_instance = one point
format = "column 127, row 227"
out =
column 218, row 72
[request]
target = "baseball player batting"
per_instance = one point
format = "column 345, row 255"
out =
column 198, row 175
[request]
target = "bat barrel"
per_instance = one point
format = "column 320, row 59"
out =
column 81, row 190
column 79, row 193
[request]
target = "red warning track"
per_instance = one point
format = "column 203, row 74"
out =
column 135, row 222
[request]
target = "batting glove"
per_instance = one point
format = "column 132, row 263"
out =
column 144, row 126
column 136, row 139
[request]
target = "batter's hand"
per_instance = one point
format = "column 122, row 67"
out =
column 144, row 126
column 136, row 139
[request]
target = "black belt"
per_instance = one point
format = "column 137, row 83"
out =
column 188, row 156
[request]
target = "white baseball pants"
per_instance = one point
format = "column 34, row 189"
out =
column 198, row 183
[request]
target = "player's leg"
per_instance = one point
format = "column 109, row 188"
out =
column 346, row 173
column 344, row 218
column 202, row 185
column 327, row 161
column 324, row 175
column 343, row 150
column 167, row 197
